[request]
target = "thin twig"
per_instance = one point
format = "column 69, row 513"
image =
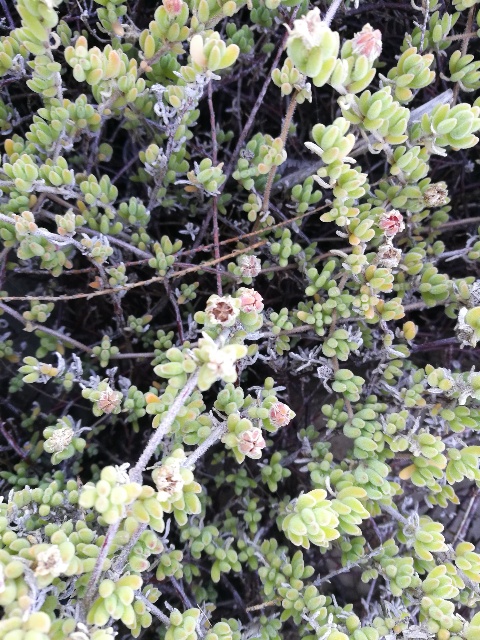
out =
column 259, row 101
column 120, row 562
column 90, row 232
column 162, row 429
column 178, row 316
column 423, row 28
column 132, row 356
column 142, row 283
column 283, row 138
column 98, row 568
column 463, row 528
column 348, row 566
column 216, row 239
column 204, row 446
column 11, row 441
column 186, row 600
column 394, row 513
column 33, row 326
column 332, row 10
column 7, row 14
column 153, row 609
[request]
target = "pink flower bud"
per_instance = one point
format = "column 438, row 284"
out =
column 251, row 443
column 391, row 222
column 280, row 414
column 368, row 43
column 250, row 266
column 173, row 7
column 109, row 400
column 250, row 300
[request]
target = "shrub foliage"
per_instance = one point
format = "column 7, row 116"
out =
column 240, row 302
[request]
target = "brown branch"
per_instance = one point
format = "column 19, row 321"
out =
column 11, row 441
column 134, row 285
column 174, row 302
column 253, row 113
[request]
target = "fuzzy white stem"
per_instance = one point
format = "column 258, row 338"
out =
column 122, row 559
column 97, row 569
column 162, row 430
column 153, row 609
column 203, row 448
column 329, row 16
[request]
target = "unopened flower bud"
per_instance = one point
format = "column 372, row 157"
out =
column 368, row 43
column 280, row 414
column 109, row 400
column 436, row 195
column 250, row 266
column 250, row 300
column 173, row 7
column 391, row 222
column 251, row 443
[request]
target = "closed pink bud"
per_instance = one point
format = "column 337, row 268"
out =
column 173, row 7
column 250, row 300
column 391, row 222
column 280, row 414
column 251, row 443
column 109, row 400
column 368, row 43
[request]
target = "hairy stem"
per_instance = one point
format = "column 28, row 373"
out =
column 33, row 326
column 97, row 569
column 153, row 609
column 332, row 10
column 283, row 136
column 204, row 446
column 162, row 429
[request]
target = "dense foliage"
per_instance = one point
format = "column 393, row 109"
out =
column 240, row 299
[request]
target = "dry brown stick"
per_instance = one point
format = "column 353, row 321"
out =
column 18, row 450
column 463, row 528
column 134, row 285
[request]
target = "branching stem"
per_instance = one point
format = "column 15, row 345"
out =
column 162, row 429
